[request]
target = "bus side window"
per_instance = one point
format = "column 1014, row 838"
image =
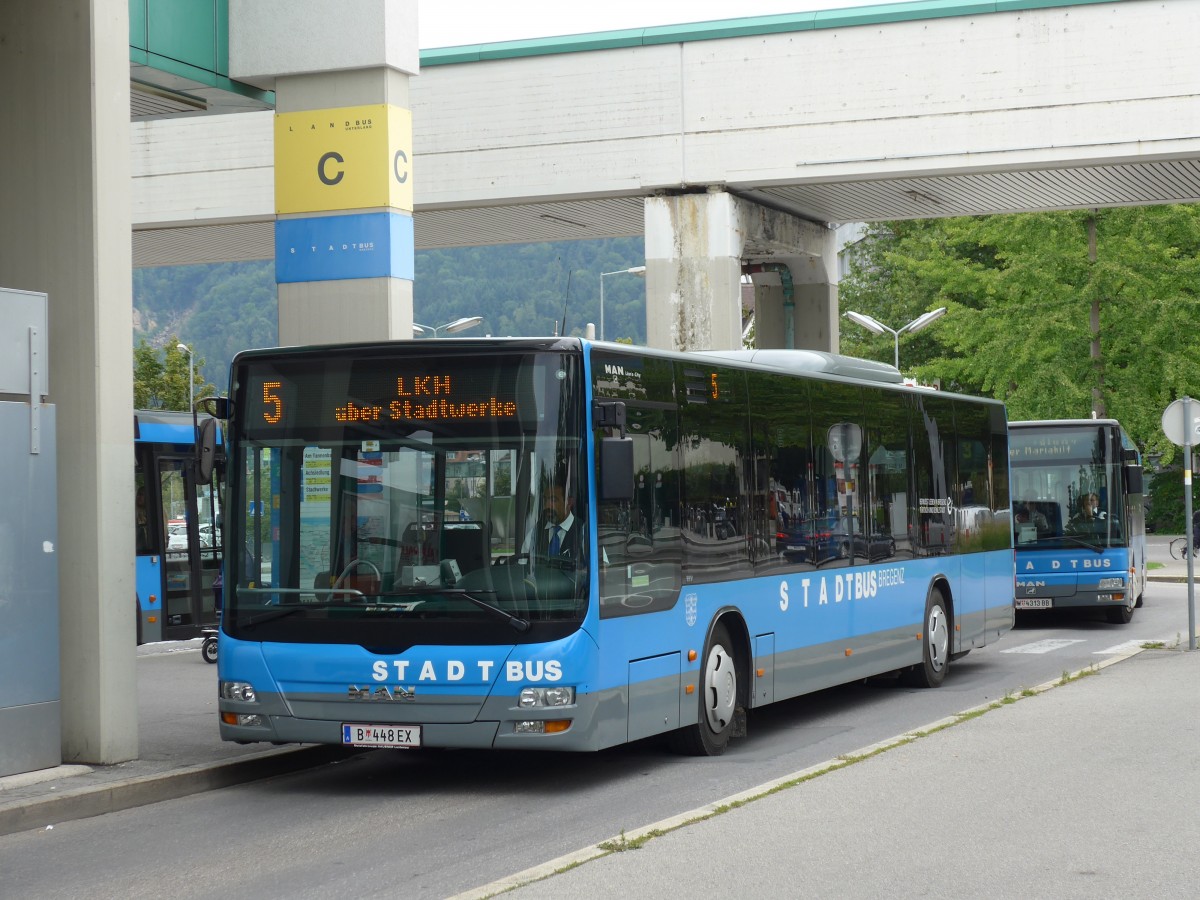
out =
column 639, row 540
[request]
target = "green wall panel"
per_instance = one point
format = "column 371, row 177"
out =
column 185, row 30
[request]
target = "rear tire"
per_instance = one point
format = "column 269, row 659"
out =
column 720, row 698
column 935, row 645
column 208, row 650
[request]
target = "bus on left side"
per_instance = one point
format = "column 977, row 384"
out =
column 178, row 537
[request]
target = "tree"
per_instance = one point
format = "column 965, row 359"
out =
column 161, row 378
column 1020, row 290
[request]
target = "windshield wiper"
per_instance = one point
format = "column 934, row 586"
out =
column 1068, row 537
column 280, row 613
column 519, row 624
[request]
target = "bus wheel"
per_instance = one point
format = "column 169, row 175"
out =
column 718, row 700
column 935, row 645
column 208, row 649
column 1120, row 615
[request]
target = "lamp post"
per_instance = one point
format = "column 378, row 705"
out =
column 872, row 324
column 639, row 271
column 191, row 372
column 436, row 331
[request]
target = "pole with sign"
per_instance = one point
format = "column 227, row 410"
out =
column 1181, row 425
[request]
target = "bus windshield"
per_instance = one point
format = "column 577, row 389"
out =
column 394, row 499
column 1066, row 488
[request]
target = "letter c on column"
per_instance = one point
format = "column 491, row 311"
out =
column 401, row 175
column 321, row 168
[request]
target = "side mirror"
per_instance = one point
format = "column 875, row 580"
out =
column 1134, row 479
column 206, row 451
column 217, row 407
column 615, row 481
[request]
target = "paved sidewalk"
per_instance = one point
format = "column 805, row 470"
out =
column 1083, row 791
column 1169, row 569
column 180, row 751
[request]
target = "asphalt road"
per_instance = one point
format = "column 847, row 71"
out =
column 433, row 824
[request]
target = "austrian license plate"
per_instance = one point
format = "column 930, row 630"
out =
column 381, row 735
column 1033, row 603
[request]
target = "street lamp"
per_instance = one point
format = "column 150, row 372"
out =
column 436, row 331
column 872, row 324
column 639, row 271
column 191, row 372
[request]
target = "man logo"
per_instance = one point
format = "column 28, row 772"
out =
column 396, row 695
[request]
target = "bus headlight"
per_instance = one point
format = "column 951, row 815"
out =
column 540, row 697
column 1110, row 583
column 238, row 690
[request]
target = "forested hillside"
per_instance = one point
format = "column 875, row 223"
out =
column 519, row 289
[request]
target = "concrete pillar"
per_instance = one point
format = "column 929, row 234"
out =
column 770, row 316
column 344, row 249
column 693, row 272
column 65, row 229
column 697, row 247
column 815, row 279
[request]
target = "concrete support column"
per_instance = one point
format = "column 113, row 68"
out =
column 698, row 246
column 770, row 316
column 65, row 229
column 693, row 272
column 344, row 248
column 815, row 277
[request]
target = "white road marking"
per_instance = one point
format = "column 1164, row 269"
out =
column 1046, row 646
column 1135, row 644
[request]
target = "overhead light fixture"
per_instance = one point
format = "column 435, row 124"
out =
column 922, row 197
column 561, row 219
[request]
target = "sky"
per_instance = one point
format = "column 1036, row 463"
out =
column 449, row 23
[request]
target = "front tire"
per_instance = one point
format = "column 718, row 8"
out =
column 719, row 700
column 208, row 650
column 1120, row 615
column 935, row 645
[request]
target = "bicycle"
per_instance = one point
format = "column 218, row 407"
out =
column 1178, row 548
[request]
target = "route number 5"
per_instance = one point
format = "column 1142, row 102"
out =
column 272, row 399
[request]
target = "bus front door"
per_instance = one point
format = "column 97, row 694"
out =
column 192, row 557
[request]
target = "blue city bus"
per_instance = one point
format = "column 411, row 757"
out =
column 1079, row 523
column 178, row 543
column 561, row 544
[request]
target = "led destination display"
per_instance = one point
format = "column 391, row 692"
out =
column 404, row 392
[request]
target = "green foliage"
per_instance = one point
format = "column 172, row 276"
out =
column 162, row 379
column 525, row 289
column 1165, row 513
column 519, row 289
column 1019, row 291
column 220, row 309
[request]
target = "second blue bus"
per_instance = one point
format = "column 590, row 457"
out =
column 1079, row 522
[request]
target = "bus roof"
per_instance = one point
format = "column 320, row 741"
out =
column 163, row 426
column 797, row 362
column 809, row 361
